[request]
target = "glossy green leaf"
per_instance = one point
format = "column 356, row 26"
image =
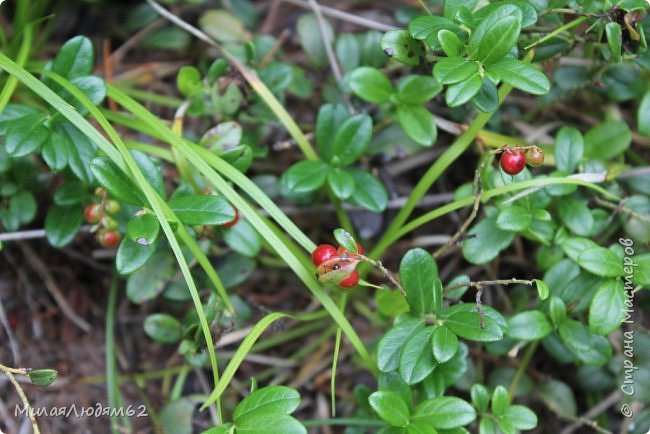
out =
column 243, row 239
column 559, row 397
column 312, row 39
column 640, row 274
column 70, row 193
column 487, row 98
column 614, row 40
column 514, row 218
column 56, row 151
column 542, row 289
column 450, row 70
column 487, row 241
column 62, row 224
column 426, row 28
column 75, row 58
column 521, row 417
column 341, row 183
column 530, row 325
column 569, row 149
column 143, row 229
column 81, row 154
column 202, row 209
column 444, row 344
column 22, row 206
column 529, row 14
column 445, row 412
column 389, row 348
column 522, row 76
column 400, row 46
column 417, row 89
column 497, row 41
column 496, row 35
column 575, row 215
column 305, row 176
column 480, row 397
column 176, row 416
column 587, row 347
column 607, row 140
column 163, row 328
column 459, row 93
column 188, row 81
column 42, row 377
column 390, row 407
column 352, row 138
column 500, row 401
column 391, row 381
column 418, row 275
column 150, row 279
column 468, row 325
column 557, row 310
column 601, row 262
column 345, row 240
column 390, row 303
column 118, row 184
column 93, row 87
column 451, row 7
column 223, row 26
column 450, row 43
column 151, row 170
column 608, row 307
column 277, row 76
column 369, row 192
column 418, row 123
column 371, row 85
column 416, row 361
column 330, row 118
column 348, row 51
column 270, row 423
column 419, row 427
column 272, row 399
column 574, row 246
column 25, row 135
column 488, row 426
column 131, row 256
column 14, row 112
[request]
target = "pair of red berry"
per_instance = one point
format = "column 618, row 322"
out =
column 327, row 252
column 513, row 160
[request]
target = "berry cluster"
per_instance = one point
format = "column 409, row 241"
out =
column 514, row 159
column 328, row 258
column 106, row 226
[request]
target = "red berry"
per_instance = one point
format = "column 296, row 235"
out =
column 350, row 281
column 535, row 157
column 109, row 238
column 93, row 213
column 323, row 253
column 232, row 222
column 512, row 162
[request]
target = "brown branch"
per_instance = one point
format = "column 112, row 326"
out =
column 9, row 372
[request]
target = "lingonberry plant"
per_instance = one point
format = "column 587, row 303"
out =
column 469, row 181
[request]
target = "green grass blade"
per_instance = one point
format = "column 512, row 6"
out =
column 21, row 59
column 489, row 194
column 240, row 355
column 126, row 162
column 206, row 163
column 253, row 80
